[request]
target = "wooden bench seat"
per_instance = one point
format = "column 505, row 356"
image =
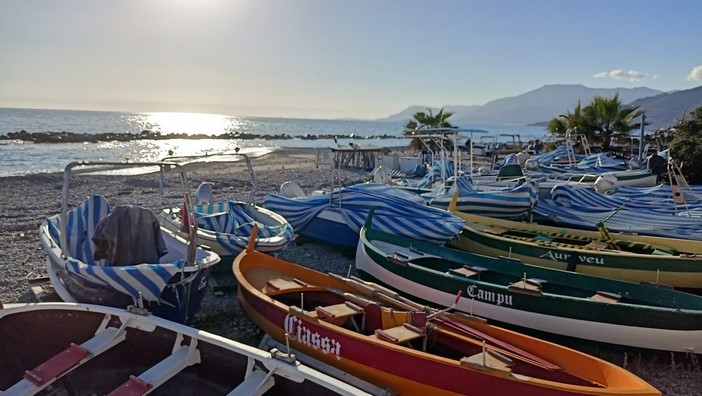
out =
column 282, row 284
column 495, row 230
column 490, row 360
column 606, row 297
column 527, row 286
column 339, row 313
column 596, row 245
column 402, row 334
column 468, row 270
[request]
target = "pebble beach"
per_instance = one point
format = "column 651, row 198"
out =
column 27, row 200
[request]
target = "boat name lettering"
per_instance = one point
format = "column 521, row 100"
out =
column 559, row 256
column 489, row 296
column 295, row 327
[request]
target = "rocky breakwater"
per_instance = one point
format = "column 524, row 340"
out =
column 70, row 137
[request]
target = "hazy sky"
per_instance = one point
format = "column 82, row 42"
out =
column 333, row 59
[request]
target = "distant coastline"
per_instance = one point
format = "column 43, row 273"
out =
column 70, row 137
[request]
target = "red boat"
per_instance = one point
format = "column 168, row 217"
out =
column 394, row 343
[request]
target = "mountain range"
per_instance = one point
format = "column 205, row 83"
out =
column 539, row 106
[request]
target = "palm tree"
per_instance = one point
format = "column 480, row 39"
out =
column 423, row 120
column 611, row 120
column 601, row 121
column 427, row 120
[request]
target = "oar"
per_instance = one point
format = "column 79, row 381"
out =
column 465, row 329
column 378, row 291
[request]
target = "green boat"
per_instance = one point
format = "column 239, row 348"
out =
column 635, row 258
column 533, row 297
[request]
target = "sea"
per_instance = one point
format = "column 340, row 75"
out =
column 22, row 157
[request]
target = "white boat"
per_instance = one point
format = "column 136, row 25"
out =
column 83, row 349
column 224, row 226
column 119, row 255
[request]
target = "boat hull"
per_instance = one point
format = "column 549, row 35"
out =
column 581, row 317
column 680, row 270
column 289, row 316
column 179, row 301
column 330, row 227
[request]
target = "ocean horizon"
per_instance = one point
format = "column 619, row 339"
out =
column 19, row 157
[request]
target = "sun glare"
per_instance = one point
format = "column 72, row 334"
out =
column 190, row 123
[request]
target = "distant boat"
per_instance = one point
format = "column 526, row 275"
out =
column 537, row 298
column 396, row 344
column 118, row 256
column 83, row 349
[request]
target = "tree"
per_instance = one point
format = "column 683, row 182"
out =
column 574, row 120
column 603, row 120
column 423, row 120
column 427, row 120
column 686, row 146
column 610, row 120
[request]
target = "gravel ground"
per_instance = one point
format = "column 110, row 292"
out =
column 27, row 200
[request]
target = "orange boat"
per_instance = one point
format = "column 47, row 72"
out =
column 397, row 344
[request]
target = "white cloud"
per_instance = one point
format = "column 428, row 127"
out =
column 619, row 74
column 695, row 74
column 601, row 74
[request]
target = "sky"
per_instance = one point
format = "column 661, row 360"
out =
column 362, row 59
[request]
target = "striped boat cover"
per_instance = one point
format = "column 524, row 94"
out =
column 549, row 157
column 433, row 174
column 232, row 225
column 643, row 222
column 601, row 161
column 147, row 279
column 506, row 203
column 574, row 195
column 655, row 193
column 396, row 211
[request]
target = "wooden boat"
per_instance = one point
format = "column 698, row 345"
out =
column 120, row 255
column 396, row 344
column 543, row 299
column 634, row 258
column 224, row 226
column 82, row 349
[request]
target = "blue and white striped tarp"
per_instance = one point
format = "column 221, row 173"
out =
column 619, row 220
column 147, row 279
column 506, row 203
column 572, row 195
column 601, row 161
column 655, row 193
column 232, row 224
column 549, row 157
column 433, row 174
column 396, row 211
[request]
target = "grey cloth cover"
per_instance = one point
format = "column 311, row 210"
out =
column 129, row 235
